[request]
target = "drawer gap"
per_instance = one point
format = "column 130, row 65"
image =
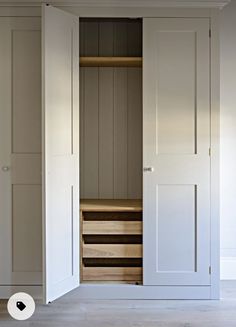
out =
column 112, row 239
column 112, row 262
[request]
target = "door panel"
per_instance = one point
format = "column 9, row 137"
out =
column 176, row 76
column 176, row 219
column 20, row 152
column 27, row 251
column 26, row 91
column 176, row 145
column 61, row 151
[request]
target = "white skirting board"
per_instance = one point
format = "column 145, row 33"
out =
column 35, row 291
column 228, row 268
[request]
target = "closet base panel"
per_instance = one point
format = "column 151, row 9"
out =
column 137, row 292
column 119, row 292
column 36, row 291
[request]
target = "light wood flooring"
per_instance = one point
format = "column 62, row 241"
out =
column 68, row 312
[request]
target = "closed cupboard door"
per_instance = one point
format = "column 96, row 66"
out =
column 176, row 152
column 61, row 151
column 20, row 152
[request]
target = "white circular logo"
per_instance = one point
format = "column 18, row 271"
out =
column 21, row 306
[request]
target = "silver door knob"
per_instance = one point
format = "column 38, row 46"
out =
column 5, row 168
column 148, row 169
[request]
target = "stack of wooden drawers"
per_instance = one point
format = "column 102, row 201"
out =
column 111, row 241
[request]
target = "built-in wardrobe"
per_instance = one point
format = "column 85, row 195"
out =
column 110, row 169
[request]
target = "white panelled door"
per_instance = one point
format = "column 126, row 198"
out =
column 20, row 152
column 176, row 152
column 60, row 51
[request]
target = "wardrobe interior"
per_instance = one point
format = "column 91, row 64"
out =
column 111, row 150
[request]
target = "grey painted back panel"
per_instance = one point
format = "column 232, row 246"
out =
column 111, row 112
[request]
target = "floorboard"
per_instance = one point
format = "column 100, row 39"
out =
column 68, row 312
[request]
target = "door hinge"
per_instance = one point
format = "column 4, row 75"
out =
column 209, row 151
column 209, row 33
column 209, row 270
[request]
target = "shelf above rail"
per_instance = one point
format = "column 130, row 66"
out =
column 110, row 61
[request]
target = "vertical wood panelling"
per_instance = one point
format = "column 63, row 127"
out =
column 106, row 39
column 110, row 112
column 134, row 133
column 120, row 114
column 106, row 167
column 120, row 133
column 81, row 109
column 134, row 35
column 91, row 135
column 91, row 38
column 82, row 38
column 81, row 129
column 120, row 38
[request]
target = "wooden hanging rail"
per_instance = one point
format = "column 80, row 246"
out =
column 110, row 61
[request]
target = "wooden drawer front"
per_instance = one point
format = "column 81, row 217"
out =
column 112, row 227
column 112, row 274
column 112, row 250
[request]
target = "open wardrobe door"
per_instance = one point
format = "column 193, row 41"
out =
column 60, row 87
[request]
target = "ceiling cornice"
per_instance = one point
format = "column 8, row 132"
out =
column 122, row 3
